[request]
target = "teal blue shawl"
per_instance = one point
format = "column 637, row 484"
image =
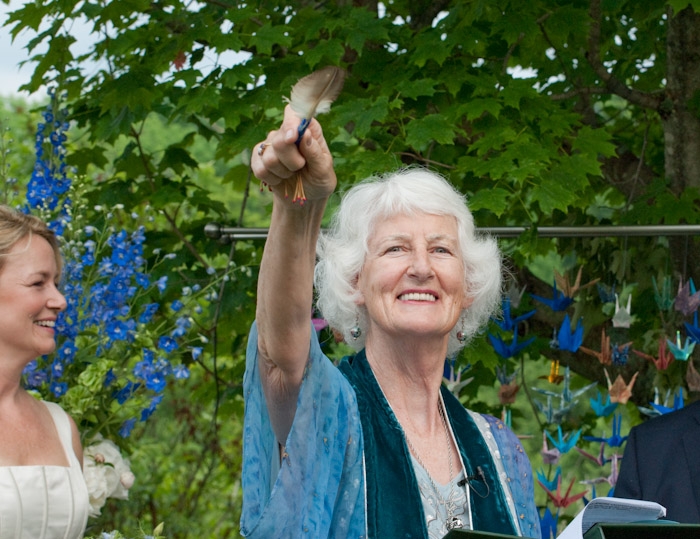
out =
column 394, row 507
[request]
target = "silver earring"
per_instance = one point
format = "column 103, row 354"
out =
column 356, row 331
column 461, row 334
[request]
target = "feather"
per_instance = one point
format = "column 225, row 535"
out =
column 314, row 94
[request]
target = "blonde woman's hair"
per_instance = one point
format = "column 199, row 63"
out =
column 16, row 226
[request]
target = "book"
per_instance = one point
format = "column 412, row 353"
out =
column 612, row 511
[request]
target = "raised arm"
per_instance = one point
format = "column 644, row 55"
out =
column 285, row 285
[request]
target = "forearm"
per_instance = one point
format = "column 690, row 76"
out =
column 285, row 285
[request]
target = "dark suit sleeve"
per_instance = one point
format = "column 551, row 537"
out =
column 627, row 485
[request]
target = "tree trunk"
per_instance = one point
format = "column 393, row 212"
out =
column 681, row 122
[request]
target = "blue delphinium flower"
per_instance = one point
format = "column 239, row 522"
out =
column 115, row 343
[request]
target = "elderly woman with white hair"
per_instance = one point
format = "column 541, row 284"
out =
column 376, row 446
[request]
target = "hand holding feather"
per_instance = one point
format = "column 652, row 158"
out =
column 279, row 162
column 314, row 94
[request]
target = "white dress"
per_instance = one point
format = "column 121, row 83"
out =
column 45, row 502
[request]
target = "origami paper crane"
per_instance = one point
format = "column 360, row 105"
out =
column 551, row 414
column 568, row 339
column 687, row 300
column 603, row 409
column 621, row 353
column 546, row 483
column 548, row 524
column 616, row 440
column 563, row 501
column 515, row 294
column 549, row 456
column 566, row 442
column 692, row 377
column 605, row 354
column 681, row 353
column 620, row 391
column 453, row 379
column 554, row 377
column 623, row 316
column 663, row 359
column 508, row 323
column 609, row 354
column 558, row 302
column 610, row 479
column 677, row 404
column 509, row 350
column 566, row 395
column 693, row 329
column 663, row 297
column 606, row 293
column 600, row 460
column 571, row 290
column 509, row 389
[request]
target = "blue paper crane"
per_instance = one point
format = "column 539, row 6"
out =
column 616, row 440
column 509, row 323
column 558, row 301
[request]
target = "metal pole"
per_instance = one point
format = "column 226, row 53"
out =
column 226, row 234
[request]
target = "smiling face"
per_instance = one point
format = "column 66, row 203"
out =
column 412, row 282
column 29, row 299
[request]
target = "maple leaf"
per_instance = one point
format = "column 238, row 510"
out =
column 180, row 59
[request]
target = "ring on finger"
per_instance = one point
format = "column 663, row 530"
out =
column 262, row 147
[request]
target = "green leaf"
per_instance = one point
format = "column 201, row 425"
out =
column 429, row 47
column 475, row 108
column 360, row 114
column 433, row 127
column 268, row 36
column 361, row 27
column 495, row 199
column 417, row 88
column 552, row 195
column 593, row 142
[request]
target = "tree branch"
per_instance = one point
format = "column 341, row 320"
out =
column 612, row 83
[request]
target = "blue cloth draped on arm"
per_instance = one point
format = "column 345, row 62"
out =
column 319, row 488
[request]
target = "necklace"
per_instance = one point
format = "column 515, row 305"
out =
column 453, row 521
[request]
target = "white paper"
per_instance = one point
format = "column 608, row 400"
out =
column 611, row 511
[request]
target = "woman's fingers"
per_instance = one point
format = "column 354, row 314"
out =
column 290, row 168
